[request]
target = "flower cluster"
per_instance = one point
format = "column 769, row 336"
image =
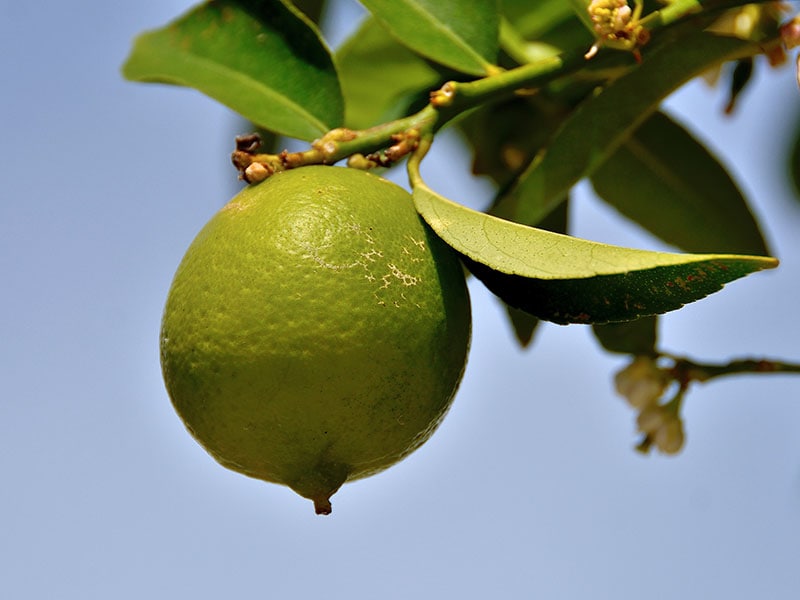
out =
column 643, row 383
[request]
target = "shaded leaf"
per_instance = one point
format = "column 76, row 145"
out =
column 580, row 8
column 568, row 280
column 460, row 35
column 794, row 159
column 549, row 26
column 380, row 77
column 262, row 58
column 602, row 122
column 313, row 9
column 534, row 19
column 524, row 325
column 666, row 181
column 637, row 337
column 504, row 136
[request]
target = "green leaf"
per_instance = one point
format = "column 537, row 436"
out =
column 533, row 19
column 665, row 180
column 505, row 135
column 581, row 9
column 793, row 156
column 602, row 123
column 262, row 58
column 380, row 77
column 549, row 26
column 637, row 337
column 524, row 325
column 568, row 280
column 457, row 34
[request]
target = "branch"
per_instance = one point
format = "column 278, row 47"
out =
column 387, row 143
column 685, row 371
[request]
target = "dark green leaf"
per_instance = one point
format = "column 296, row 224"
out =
column 524, row 325
column 505, row 136
column 567, row 280
column 637, row 337
column 532, row 31
column 666, row 181
column 794, row 158
column 533, row 19
column 262, row 58
column 601, row 123
column 380, row 77
column 457, row 34
column 580, row 8
column 313, row 9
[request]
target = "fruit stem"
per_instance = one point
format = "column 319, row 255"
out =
column 322, row 505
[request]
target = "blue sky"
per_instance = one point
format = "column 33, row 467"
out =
column 529, row 489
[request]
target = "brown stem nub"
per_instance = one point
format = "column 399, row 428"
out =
column 322, row 506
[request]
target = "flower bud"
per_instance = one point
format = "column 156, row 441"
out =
column 669, row 438
column 652, row 418
column 642, row 383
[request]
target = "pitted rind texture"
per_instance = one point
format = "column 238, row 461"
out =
column 316, row 330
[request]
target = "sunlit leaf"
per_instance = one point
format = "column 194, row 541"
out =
column 262, row 58
column 568, row 280
column 460, row 35
column 602, row 122
column 665, row 180
column 525, row 324
column 380, row 77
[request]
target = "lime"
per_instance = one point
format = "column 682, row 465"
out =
column 315, row 331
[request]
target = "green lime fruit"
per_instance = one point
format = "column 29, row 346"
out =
column 315, row 331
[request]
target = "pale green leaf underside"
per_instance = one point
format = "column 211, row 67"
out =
column 568, row 280
column 261, row 58
column 459, row 35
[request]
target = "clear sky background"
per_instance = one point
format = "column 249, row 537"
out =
column 530, row 489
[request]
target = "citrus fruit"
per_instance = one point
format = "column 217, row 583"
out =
column 315, row 331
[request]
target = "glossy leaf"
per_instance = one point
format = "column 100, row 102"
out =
column 568, row 280
column 632, row 337
column 665, row 180
column 602, row 123
column 460, row 35
column 262, row 58
column 380, row 77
